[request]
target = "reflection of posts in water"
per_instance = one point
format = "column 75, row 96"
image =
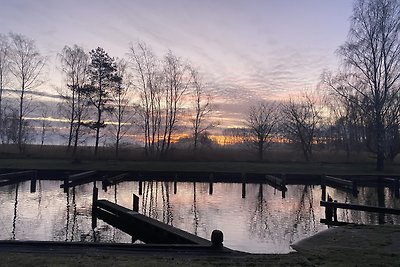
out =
column 195, row 211
column 67, row 222
column 381, row 203
column 95, row 197
column 15, row 211
column 115, row 193
column 243, row 185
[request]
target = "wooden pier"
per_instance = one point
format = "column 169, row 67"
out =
column 78, row 179
column 114, row 180
column 332, row 206
column 146, row 229
column 338, row 183
column 10, row 178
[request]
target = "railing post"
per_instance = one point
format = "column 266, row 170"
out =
column 94, row 206
column 323, row 187
column 140, row 188
column 355, row 191
column 135, row 203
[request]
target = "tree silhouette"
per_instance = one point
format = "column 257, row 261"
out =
column 103, row 80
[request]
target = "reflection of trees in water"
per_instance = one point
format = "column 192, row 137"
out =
column 259, row 220
column 195, row 211
column 150, row 205
column 167, row 210
column 305, row 213
column 15, row 212
column 266, row 224
column 149, row 201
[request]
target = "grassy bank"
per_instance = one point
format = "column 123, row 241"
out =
column 245, row 167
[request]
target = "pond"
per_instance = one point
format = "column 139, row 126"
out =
column 262, row 222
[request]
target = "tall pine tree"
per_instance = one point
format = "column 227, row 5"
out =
column 104, row 79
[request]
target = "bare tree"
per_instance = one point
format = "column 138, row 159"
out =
column 148, row 84
column 177, row 78
column 372, row 59
column 260, row 123
column 202, row 109
column 45, row 124
column 4, row 71
column 103, row 77
column 300, row 121
column 74, row 64
column 26, row 64
column 123, row 110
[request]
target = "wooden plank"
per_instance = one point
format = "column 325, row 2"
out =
column 359, row 207
column 276, row 182
column 334, row 223
column 10, row 175
column 81, row 175
column 78, row 179
column 337, row 180
column 115, row 179
column 16, row 177
column 142, row 227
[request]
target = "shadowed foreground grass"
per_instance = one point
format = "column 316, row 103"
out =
column 106, row 260
column 373, row 245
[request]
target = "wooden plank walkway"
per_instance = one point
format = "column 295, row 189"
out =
column 142, row 227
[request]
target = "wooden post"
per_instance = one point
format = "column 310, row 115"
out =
column 243, row 185
column 175, row 187
column 283, row 177
column 355, row 191
column 135, row 203
column 33, row 185
column 217, row 239
column 66, row 181
column 94, row 199
column 328, row 211
column 140, row 188
column 396, row 187
column 323, row 187
column 335, row 213
column 211, row 186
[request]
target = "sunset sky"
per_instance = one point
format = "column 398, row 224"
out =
column 250, row 50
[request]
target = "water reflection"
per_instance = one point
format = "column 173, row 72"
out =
column 262, row 222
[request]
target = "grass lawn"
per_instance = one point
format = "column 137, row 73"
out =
column 212, row 166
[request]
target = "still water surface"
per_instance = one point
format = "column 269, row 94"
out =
column 263, row 222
